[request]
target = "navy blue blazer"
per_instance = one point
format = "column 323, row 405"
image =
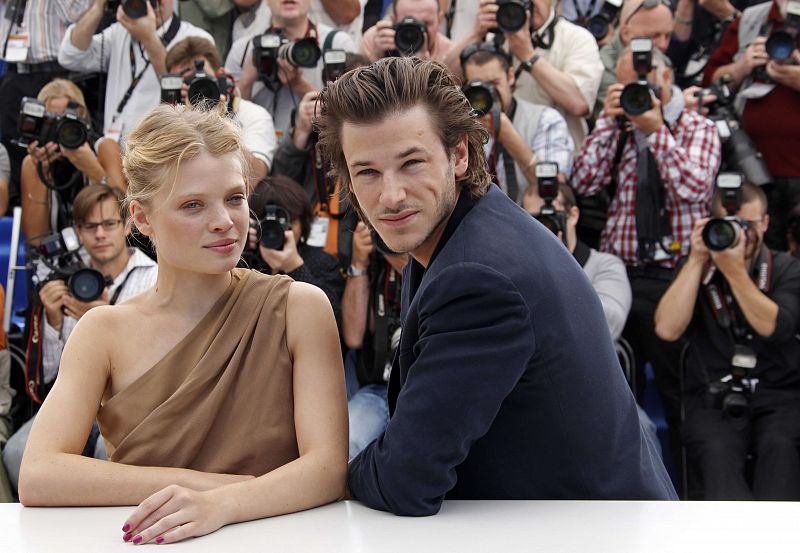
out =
column 509, row 385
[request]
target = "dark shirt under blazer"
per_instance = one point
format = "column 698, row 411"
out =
column 509, row 385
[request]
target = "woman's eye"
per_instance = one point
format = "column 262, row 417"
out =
column 191, row 205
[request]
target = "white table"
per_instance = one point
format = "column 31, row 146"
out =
column 461, row 527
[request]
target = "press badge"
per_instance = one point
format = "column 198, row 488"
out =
column 318, row 236
column 17, row 50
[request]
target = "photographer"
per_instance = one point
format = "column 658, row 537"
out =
column 559, row 64
column 101, row 223
column 658, row 167
column 51, row 173
column 131, row 52
column 520, row 132
column 258, row 133
column 282, row 247
column 281, row 91
column 739, row 305
column 381, row 38
column 768, row 98
column 370, row 322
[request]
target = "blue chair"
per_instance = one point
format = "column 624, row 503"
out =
column 20, row 285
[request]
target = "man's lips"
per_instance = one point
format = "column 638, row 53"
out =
column 398, row 219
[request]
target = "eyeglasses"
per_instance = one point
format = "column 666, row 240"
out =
column 108, row 225
column 649, row 5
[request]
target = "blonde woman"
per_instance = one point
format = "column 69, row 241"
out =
column 219, row 392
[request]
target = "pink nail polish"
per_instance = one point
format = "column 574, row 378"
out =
column 126, row 528
column 127, row 537
column 160, row 540
column 137, row 540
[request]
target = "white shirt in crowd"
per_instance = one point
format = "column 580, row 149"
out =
column 258, row 132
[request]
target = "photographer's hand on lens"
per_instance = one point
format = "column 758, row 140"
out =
column 755, row 55
column 293, row 77
column 692, row 102
column 611, row 106
column 520, row 43
column 285, row 260
column 699, row 251
column 731, row 261
column 142, row 28
column 486, row 20
column 787, row 74
column 362, row 246
column 77, row 309
column 651, row 120
column 302, row 124
column 384, row 37
column 52, row 296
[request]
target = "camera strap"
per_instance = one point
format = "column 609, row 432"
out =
column 34, row 375
column 544, row 40
column 653, row 229
column 449, row 16
column 384, row 306
column 168, row 37
column 118, row 291
column 509, row 168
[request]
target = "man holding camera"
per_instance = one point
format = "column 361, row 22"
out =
column 266, row 71
column 759, row 53
column 739, row 303
column 520, row 132
column 194, row 55
column 131, row 52
column 101, row 225
column 657, row 160
column 422, row 16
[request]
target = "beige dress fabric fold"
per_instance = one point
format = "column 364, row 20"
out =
column 221, row 400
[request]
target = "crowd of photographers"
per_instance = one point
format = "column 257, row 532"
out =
column 656, row 139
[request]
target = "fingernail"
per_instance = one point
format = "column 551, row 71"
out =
column 137, row 540
column 127, row 537
column 126, row 528
column 160, row 539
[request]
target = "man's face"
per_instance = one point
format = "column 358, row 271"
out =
column 187, row 67
column 289, row 10
column 754, row 214
column 104, row 245
column 541, row 11
column 425, row 11
column 404, row 179
column 533, row 204
column 493, row 73
column 655, row 23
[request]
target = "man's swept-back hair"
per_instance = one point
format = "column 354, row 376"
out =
column 391, row 86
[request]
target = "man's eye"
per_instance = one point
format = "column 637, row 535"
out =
column 367, row 172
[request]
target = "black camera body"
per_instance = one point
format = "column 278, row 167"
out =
column 636, row 98
column 274, row 224
column 37, row 124
column 274, row 45
column 511, row 14
column 409, row 36
column 204, row 88
column 782, row 42
column 132, row 8
column 58, row 252
column 723, row 232
column 334, row 65
column 598, row 24
column 481, row 96
column 732, row 392
column 738, row 150
column 549, row 216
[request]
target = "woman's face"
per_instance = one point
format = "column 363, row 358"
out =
column 57, row 105
column 200, row 224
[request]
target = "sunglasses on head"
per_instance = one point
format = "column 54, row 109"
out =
column 649, row 5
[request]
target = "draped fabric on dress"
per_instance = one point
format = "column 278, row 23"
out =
column 221, row 400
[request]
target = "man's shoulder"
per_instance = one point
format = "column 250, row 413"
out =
column 786, row 267
column 571, row 36
column 690, row 119
column 341, row 40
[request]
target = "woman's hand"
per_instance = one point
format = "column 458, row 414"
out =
column 174, row 514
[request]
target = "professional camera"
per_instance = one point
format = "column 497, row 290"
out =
column 36, row 123
column 782, row 43
column 59, row 253
column 598, row 24
column 132, row 8
column 549, row 216
column 272, row 46
column 380, row 245
column 723, row 233
column 274, row 223
column 636, row 98
column 409, row 36
column 511, row 16
column 481, row 96
column 334, row 63
column 204, row 88
column 730, row 393
column 738, row 151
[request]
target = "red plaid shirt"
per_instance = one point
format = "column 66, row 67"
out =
column 688, row 159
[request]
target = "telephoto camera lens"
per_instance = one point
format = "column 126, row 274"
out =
column 203, row 90
column 480, row 96
column 86, row 285
column 273, row 225
column 734, row 405
column 780, row 45
column 71, row 132
column 134, row 8
column 635, row 98
column 511, row 16
column 409, row 36
column 302, row 53
column 721, row 234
